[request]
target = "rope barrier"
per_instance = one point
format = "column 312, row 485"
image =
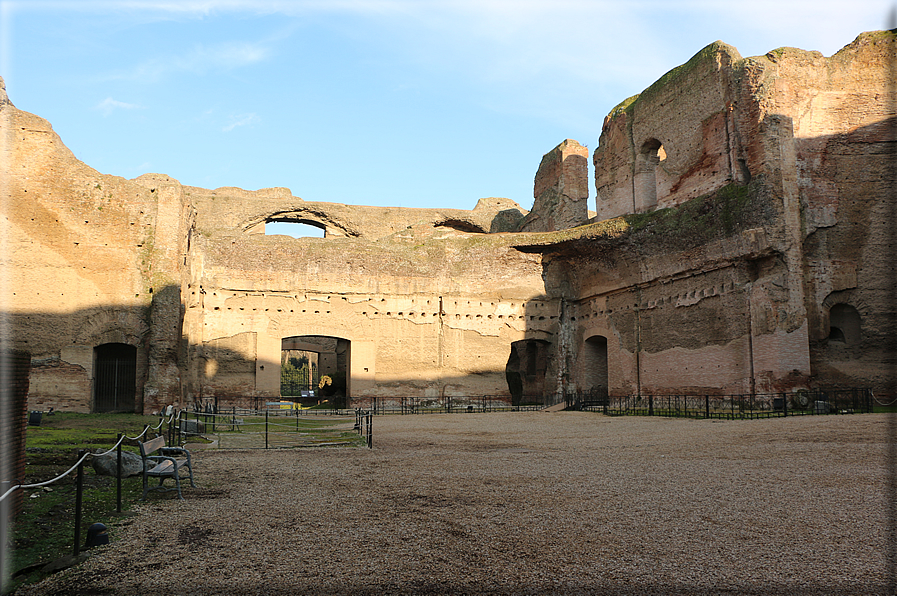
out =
column 40, row 484
column 881, row 403
column 114, row 447
column 84, row 457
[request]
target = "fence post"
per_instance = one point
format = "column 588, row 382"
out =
column 118, row 478
column 4, row 516
column 650, row 405
column 784, row 405
column 266, row 428
column 370, row 431
column 79, row 490
column 707, row 406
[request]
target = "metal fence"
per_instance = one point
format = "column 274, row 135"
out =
column 740, row 406
column 245, row 428
column 446, row 404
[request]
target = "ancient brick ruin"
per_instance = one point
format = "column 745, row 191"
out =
column 741, row 242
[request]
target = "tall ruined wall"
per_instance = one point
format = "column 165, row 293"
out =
column 705, row 291
column 561, row 190
column 842, row 113
column 789, row 149
column 675, row 141
column 427, row 311
column 87, row 258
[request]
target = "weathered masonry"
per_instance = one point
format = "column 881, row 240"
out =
column 741, row 240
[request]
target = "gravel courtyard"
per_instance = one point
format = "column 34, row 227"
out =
column 522, row 503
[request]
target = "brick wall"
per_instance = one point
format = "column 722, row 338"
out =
column 15, row 367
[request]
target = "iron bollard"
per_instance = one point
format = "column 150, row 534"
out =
column 79, row 490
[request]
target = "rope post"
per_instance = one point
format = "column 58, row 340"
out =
column 79, row 490
column 118, row 476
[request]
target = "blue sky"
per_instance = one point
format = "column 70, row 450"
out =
column 409, row 103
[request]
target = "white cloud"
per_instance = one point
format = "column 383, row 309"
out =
column 199, row 60
column 241, row 120
column 109, row 105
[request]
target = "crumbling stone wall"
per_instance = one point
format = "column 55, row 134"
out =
column 87, row 255
column 807, row 139
column 561, row 190
column 675, row 141
column 743, row 206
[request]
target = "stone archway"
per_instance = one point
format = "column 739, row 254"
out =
column 594, row 368
column 645, row 180
column 526, row 370
column 306, row 359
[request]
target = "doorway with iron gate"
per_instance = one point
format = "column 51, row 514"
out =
column 114, row 378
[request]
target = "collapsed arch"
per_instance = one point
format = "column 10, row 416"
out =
column 297, row 228
column 460, row 226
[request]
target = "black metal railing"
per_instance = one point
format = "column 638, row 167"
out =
column 446, row 404
column 737, row 406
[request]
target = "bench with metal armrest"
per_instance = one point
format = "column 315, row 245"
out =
column 168, row 464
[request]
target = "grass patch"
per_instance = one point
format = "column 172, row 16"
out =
column 44, row 531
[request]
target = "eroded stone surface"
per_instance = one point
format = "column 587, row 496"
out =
column 740, row 202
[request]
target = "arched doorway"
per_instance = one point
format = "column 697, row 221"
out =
column 114, row 378
column 594, row 366
column 645, row 180
column 525, row 370
column 306, row 360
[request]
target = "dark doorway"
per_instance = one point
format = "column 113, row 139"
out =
column 115, row 378
column 314, row 368
column 526, row 371
column 594, row 366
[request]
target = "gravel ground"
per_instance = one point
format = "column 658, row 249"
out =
column 522, row 503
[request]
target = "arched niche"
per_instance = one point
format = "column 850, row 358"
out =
column 593, row 366
column 648, row 159
column 845, row 324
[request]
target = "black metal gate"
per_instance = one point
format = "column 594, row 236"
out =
column 115, row 378
column 299, row 378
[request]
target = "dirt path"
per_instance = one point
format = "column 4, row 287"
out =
column 522, row 503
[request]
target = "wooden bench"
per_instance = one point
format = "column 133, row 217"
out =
column 167, row 464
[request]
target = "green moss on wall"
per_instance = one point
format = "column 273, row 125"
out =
column 695, row 222
column 675, row 75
